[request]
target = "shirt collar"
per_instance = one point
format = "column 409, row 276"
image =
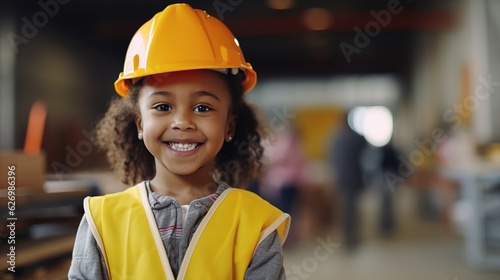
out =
column 159, row 201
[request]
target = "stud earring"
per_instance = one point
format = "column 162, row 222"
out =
column 139, row 135
column 229, row 139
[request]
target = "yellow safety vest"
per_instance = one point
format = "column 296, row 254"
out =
column 222, row 246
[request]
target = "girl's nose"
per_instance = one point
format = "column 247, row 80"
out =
column 183, row 120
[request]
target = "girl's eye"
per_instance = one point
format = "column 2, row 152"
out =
column 162, row 107
column 202, row 109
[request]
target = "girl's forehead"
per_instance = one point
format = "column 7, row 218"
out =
column 184, row 82
column 206, row 78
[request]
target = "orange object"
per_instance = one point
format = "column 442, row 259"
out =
column 182, row 38
column 34, row 132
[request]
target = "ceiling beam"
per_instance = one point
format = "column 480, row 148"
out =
column 342, row 22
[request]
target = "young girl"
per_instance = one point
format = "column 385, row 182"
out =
column 183, row 134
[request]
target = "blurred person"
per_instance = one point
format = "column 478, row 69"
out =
column 380, row 165
column 175, row 136
column 284, row 169
column 283, row 174
column 346, row 159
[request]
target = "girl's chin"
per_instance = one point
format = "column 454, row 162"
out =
column 187, row 169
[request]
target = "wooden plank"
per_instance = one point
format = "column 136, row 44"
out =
column 27, row 196
column 57, row 270
column 34, row 251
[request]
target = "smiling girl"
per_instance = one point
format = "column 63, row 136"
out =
column 184, row 137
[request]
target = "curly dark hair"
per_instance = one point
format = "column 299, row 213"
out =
column 237, row 162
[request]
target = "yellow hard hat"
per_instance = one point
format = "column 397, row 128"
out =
column 182, row 38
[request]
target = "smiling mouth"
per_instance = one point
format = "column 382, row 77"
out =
column 183, row 147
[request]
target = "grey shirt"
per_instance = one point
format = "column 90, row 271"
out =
column 88, row 261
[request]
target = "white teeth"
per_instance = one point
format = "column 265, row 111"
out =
column 183, row 146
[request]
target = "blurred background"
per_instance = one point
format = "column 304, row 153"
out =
column 382, row 119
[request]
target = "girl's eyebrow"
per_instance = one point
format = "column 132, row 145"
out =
column 200, row 93
column 206, row 93
column 159, row 93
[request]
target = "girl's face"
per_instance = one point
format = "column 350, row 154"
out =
column 185, row 118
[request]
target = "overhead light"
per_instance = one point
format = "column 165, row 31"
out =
column 378, row 125
column 355, row 119
column 317, row 19
column 374, row 123
column 280, row 4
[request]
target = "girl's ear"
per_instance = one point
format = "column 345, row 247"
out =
column 138, row 123
column 230, row 127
